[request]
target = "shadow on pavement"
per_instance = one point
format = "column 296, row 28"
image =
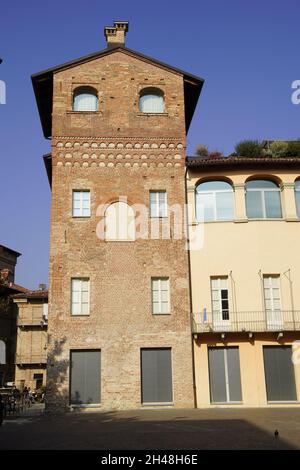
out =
column 154, row 429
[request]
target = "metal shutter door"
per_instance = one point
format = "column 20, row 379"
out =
column 217, row 375
column 156, row 376
column 234, row 374
column 279, row 373
column 85, row 377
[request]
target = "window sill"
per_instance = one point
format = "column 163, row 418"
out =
column 161, row 314
column 80, row 217
column 197, row 222
column 265, row 219
column 152, row 114
column 284, row 402
column 85, row 112
column 81, row 315
column 117, row 240
column 222, row 403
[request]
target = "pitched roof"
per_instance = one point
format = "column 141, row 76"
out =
column 10, row 250
column 32, row 294
column 11, row 286
column 43, row 84
column 242, row 162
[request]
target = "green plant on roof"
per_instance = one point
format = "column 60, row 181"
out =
column 293, row 149
column 249, row 148
column 279, row 148
column 202, row 150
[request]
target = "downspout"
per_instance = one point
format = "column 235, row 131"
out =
column 190, row 293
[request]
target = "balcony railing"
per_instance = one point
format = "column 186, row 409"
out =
column 22, row 359
column 32, row 320
column 247, row 321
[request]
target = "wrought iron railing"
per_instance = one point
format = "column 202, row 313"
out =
column 246, row 321
column 31, row 358
column 32, row 320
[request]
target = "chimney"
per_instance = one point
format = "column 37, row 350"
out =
column 5, row 274
column 115, row 35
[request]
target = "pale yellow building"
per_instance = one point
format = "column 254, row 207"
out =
column 245, row 280
column 31, row 355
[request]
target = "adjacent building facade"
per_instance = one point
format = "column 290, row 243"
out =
column 8, row 313
column 135, row 318
column 31, row 350
column 245, row 292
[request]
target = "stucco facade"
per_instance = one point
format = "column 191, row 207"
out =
column 243, row 251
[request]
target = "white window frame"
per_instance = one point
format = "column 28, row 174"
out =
column 81, row 192
column 268, row 282
column 159, row 107
column 214, row 192
column 262, row 192
column 158, row 209
column 219, row 290
column 159, row 291
column 84, row 281
column 274, row 316
column 88, row 93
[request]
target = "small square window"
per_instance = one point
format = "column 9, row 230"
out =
column 81, row 204
column 158, row 204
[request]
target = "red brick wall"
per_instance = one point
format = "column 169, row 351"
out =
column 117, row 152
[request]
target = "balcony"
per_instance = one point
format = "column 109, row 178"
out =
column 32, row 320
column 28, row 359
column 246, row 322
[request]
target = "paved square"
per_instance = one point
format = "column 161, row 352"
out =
column 155, row 429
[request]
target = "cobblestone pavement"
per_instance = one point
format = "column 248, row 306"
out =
column 154, row 429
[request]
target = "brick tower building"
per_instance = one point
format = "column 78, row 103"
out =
column 119, row 306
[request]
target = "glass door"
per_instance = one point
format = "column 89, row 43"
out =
column 273, row 303
column 220, row 304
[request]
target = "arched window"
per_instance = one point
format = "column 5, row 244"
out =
column 2, row 352
column 214, row 201
column 263, row 200
column 297, row 196
column 119, row 222
column 85, row 99
column 152, row 101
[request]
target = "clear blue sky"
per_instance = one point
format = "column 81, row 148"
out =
column 248, row 53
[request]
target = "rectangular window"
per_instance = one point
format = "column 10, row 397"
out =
column 224, row 375
column 160, row 288
column 85, row 377
column 156, row 368
column 81, row 204
column 279, row 373
column 158, row 204
column 272, row 301
column 80, row 293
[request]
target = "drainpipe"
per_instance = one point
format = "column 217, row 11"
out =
column 190, row 294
